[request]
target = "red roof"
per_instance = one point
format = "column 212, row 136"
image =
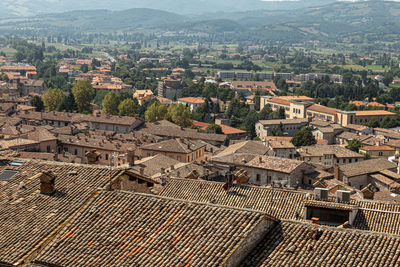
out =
column 225, row 128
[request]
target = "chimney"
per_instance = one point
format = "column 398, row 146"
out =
column 260, row 159
column 342, row 196
column 131, row 157
column 93, row 157
column 172, row 167
column 47, row 180
column 337, row 173
column 368, row 192
column 321, row 193
column 141, row 170
column 178, row 174
column 162, row 171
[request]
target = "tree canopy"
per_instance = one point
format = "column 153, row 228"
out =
column 52, row 99
column 303, row 137
column 127, row 108
column 156, row 112
column 110, row 104
column 83, row 92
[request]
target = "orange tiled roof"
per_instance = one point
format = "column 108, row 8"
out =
column 373, row 113
column 376, row 104
column 279, row 101
column 377, row 148
column 194, row 100
column 357, row 103
column 322, row 109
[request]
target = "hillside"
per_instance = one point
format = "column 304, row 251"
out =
column 11, row 8
column 96, row 20
column 351, row 21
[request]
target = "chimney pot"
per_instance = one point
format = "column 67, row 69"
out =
column 47, row 181
column 141, row 170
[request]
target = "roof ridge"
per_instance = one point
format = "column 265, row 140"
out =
column 364, row 232
column 102, row 190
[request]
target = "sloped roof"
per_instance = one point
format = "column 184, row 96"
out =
column 27, row 217
column 300, row 244
column 128, row 229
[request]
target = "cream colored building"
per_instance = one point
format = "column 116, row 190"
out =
column 362, row 116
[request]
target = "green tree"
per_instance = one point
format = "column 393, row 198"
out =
column 110, row 103
column 156, row 112
column 84, row 68
column 354, row 145
column 52, row 99
column 372, row 123
column 83, row 92
column 303, row 137
column 68, row 104
column 98, row 99
column 214, row 128
column 4, row 77
column 37, row 102
column 127, row 108
column 179, row 114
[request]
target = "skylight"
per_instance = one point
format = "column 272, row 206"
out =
column 7, row 175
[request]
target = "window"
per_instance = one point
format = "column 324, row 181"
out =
column 258, row 177
column 7, row 175
column 349, row 160
column 106, row 156
column 48, row 148
column 76, row 151
column 380, row 153
column 66, row 149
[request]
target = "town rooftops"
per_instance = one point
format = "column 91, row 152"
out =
column 366, row 167
column 225, row 128
column 322, row 109
column 373, row 113
column 284, row 122
column 320, row 150
column 251, row 147
column 75, row 117
column 281, row 203
column 130, row 229
column 175, row 145
column 192, row 100
column 302, row 244
column 279, row 101
column 175, row 131
column 276, row 164
column 28, row 217
column 280, row 144
column 356, row 127
column 377, row 148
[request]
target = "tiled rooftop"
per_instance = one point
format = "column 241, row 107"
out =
column 276, row 164
column 252, row 147
column 366, row 167
column 128, row 229
column 299, row 244
column 281, row 203
column 27, row 217
column 174, row 146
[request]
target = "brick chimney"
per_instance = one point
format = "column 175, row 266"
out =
column 93, row 157
column 337, row 173
column 47, row 181
column 130, row 158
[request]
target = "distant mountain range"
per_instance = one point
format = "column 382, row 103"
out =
column 338, row 19
column 14, row 8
